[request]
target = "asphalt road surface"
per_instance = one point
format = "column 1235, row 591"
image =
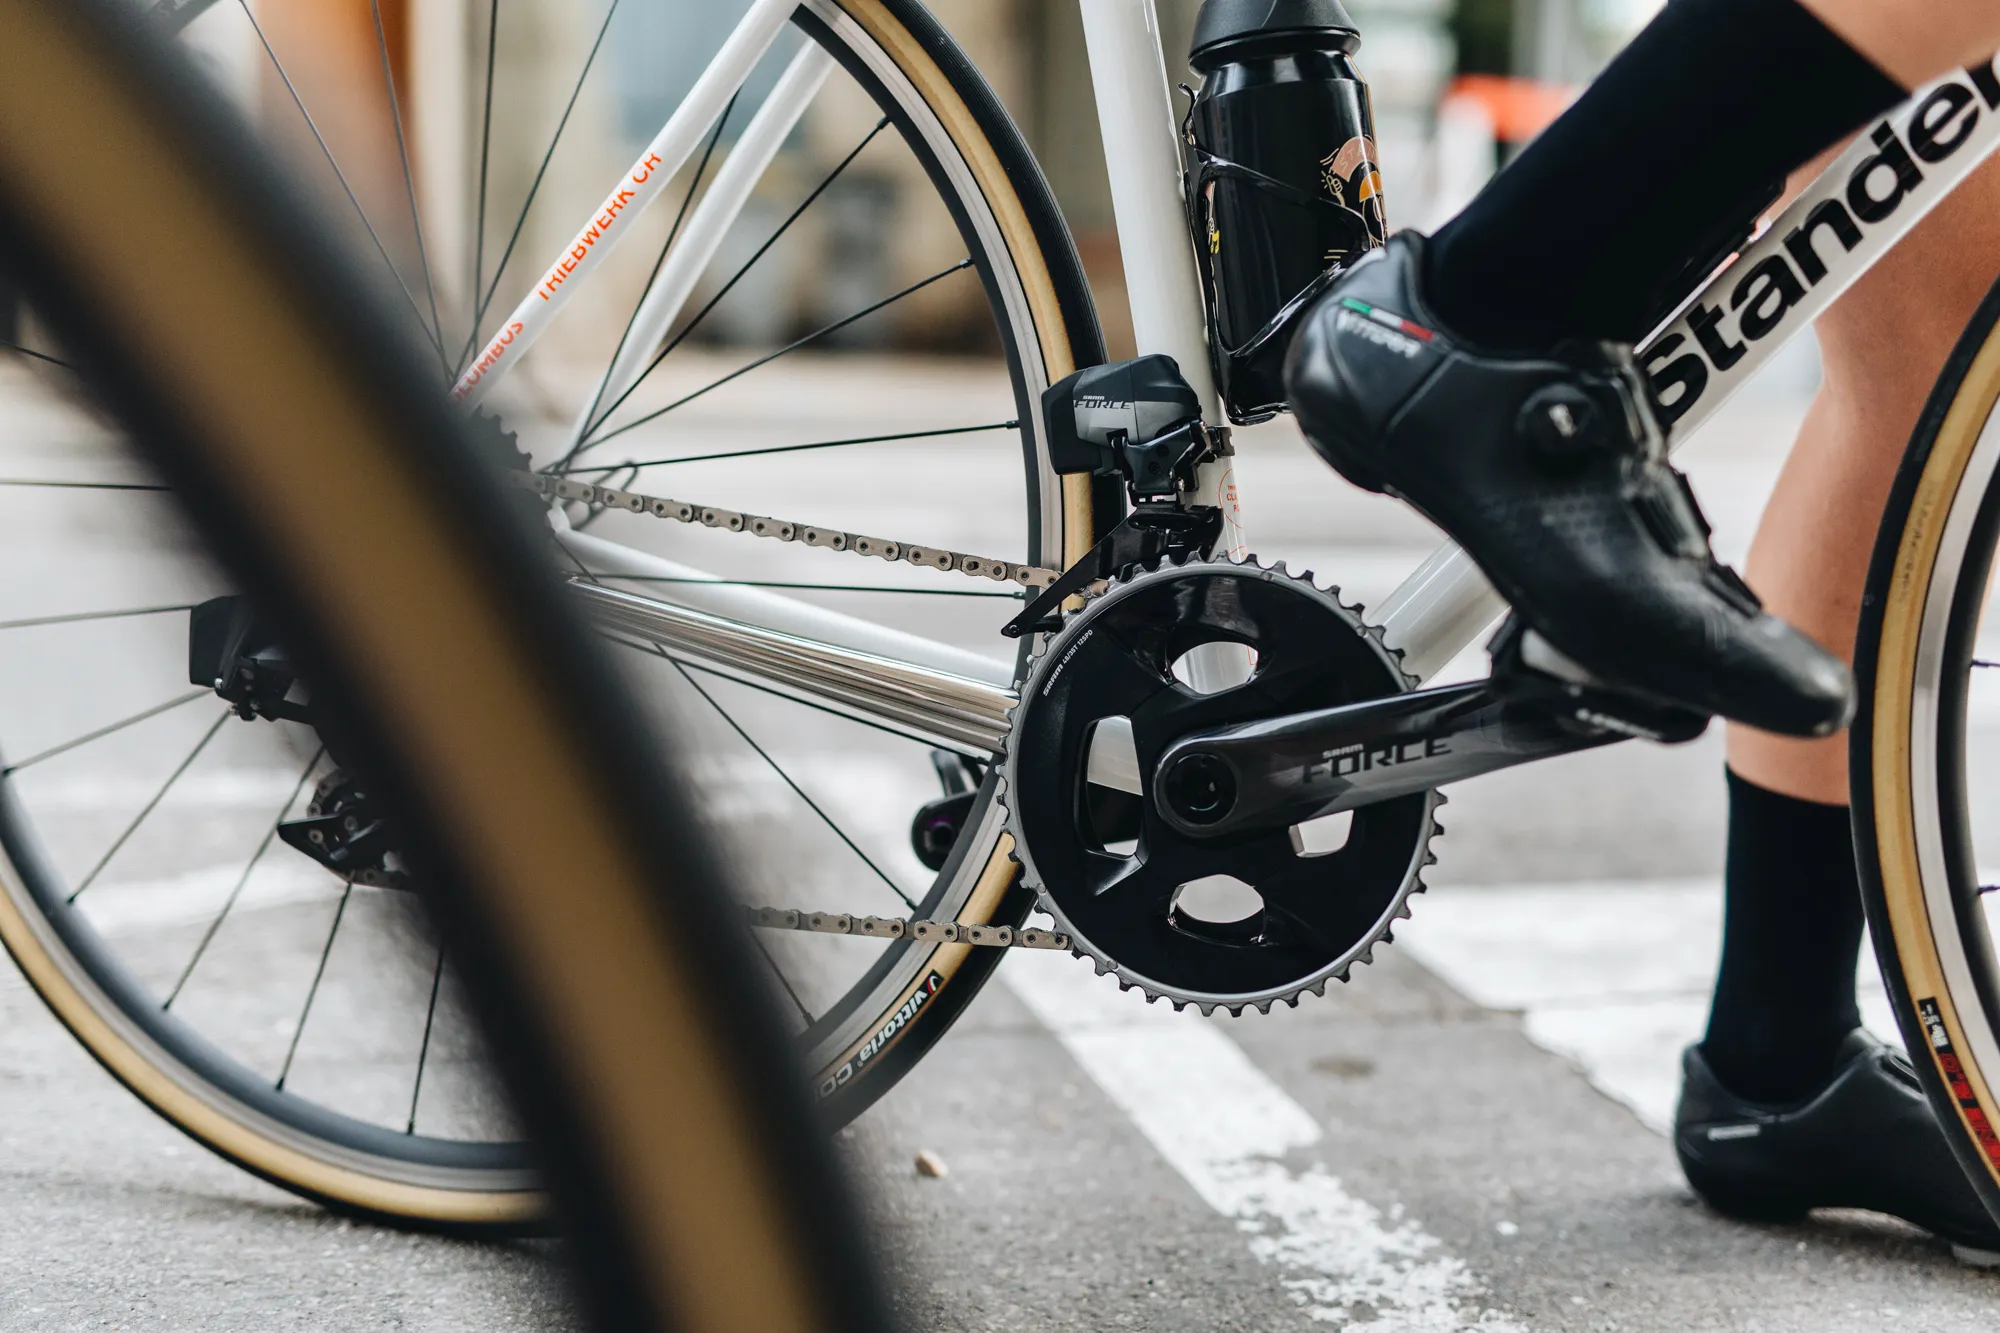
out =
column 1466, row 1137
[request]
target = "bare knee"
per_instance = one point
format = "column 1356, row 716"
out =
column 1885, row 341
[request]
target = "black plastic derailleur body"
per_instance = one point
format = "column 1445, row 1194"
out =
column 233, row 652
column 1140, row 421
column 1287, row 770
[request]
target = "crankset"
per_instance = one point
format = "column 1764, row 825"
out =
column 1235, row 847
column 1246, row 918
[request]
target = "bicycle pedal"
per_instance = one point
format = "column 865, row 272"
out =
column 1527, row 664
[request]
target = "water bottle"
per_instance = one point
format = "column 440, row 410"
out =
column 1283, row 184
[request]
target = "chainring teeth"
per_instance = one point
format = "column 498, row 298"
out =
column 1081, row 947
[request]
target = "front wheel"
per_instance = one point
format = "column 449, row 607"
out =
column 1925, row 750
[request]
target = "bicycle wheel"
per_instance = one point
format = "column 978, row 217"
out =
column 1923, row 782
column 641, row 1043
column 364, row 1089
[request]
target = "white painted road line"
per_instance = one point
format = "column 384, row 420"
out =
column 1612, row 975
column 1240, row 1140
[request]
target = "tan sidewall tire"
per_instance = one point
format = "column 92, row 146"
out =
column 1894, row 757
column 324, row 1172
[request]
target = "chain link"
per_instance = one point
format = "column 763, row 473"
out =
column 897, row 928
column 778, row 529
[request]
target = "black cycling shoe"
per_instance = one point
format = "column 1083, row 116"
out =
column 1868, row 1139
column 1551, row 471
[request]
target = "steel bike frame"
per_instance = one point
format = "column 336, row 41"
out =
column 1894, row 173
column 1866, row 201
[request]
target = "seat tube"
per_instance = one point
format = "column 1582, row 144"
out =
column 1142, row 156
column 1135, row 114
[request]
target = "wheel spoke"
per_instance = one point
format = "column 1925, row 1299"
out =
column 535, row 186
column 341, row 176
column 39, row 356
column 659, row 261
column 151, row 805
column 797, row 790
column 655, row 650
column 424, row 1053
column 792, row 448
column 485, row 163
column 783, row 980
column 75, row 617
column 409, row 179
column 583, row 438
column 102, row 732
column 312, row 991
column 264, row 845
column 788, row 348
column 83, row 485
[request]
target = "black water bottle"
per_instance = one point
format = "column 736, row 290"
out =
column 1283, row 183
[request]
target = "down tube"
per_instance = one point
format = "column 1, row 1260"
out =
column 1893, row 174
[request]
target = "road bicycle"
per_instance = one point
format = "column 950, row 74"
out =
column 1218, row 779
column 512, row 765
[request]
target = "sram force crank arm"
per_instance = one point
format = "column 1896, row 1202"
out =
column 1287, row 770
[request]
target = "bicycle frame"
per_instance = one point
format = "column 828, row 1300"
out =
column 1874, row 193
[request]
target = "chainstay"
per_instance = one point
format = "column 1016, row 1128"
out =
column 880, row 548
column 899, row 928
column 784, row 530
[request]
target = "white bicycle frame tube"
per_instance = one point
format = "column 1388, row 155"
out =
column 1869, row 199
column 702, row 237
column 1850, row 216
column 1142, row 156
column 1135, row 115
column 641, row 185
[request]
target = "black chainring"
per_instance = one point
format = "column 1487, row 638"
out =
column 1319, row 914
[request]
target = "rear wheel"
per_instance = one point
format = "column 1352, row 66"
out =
column 641, row 1045
column 302, row 1020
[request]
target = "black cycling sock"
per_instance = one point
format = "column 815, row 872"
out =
column 1791, row 938
column 1667, row 156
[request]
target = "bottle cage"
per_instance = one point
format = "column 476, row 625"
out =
column 1209, row 168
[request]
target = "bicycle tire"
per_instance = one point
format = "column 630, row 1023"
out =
column 900, row 1007
column 1913, row 827
column 477, row 703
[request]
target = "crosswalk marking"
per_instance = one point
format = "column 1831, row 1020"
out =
column 1231, row 1132
column 1612, row 975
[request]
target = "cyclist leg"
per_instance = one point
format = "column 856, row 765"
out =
column 1913, row 49
column 1881, row 346
column 1782, row 1028
column 1499, row 398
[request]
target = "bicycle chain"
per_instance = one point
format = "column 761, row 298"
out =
column 929, row 557
column 896, row 928
column 784, row 530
